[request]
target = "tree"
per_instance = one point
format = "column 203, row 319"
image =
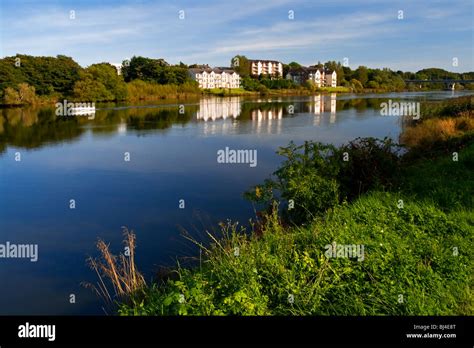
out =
column 294, row 65
column 361, row 74
column 356, row 85
column 373, row 84
column 241, row 65
column 47, row 75
column 154, row 70
column 106, row 74
column 89, row 89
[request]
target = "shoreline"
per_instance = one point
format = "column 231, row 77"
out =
column 236, row 277
column 207, row 93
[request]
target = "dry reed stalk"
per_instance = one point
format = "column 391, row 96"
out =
column 123, row 275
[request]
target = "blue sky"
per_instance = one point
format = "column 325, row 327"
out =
column 367, row 32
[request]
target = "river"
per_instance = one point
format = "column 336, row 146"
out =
column 151, row 167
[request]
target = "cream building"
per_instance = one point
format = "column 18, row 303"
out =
column 266, row 67
column 215, row 77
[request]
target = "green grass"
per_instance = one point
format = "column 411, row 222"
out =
column 418, row 257
column 448, row 184
column 338, row 89
column 228, row 92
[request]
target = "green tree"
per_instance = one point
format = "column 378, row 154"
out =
column 241, row 65
column 89, row 89
column 294, row 65
column 361, row 74
column 106, row 74
column 356, row 85
column 48, row 75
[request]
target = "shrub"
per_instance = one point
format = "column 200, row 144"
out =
column 307, row 177
column 436, row 129
column 316, row 177
column 368, row 163
column 11, row 97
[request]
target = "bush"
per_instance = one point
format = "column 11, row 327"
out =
column 368, row 163
column 11, row 96
column 307, row 179
column 316, row 177
column 24, row 94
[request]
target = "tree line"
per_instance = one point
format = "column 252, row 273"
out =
column 27, row 79
column 360, row 79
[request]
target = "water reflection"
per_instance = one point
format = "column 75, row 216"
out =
column 213, row 108
column 35, row 127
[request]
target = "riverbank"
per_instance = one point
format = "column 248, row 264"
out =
column 376, row 235
column 151, row 92
column 275, row 92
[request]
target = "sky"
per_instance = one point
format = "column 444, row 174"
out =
column 406, row 35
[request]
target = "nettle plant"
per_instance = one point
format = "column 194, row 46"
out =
column 315, row 177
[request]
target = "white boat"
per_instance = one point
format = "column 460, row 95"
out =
column 79, row 111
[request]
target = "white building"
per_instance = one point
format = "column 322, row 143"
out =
column 118, row 67
column 215, row 77
column 320, row 77
column 266, row 67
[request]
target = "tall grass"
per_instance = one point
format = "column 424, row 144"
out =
column 118, row 276
column 438, row 129
column 141, row 90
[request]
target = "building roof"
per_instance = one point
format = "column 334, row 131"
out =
column 217, row 70
column 264, row 60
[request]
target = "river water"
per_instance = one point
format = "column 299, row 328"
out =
column 153, row 168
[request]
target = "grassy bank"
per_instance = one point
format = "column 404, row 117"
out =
column 227, row 92
column 418, row 259
column 406, row 224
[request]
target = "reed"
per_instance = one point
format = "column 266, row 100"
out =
column 118, row 276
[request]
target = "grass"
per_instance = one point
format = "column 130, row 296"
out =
column 338, row 89
column 228, row 92
column 418, row 258
column 122, row 275
column 438, row 129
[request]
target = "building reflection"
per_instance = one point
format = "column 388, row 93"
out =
column 266, row 115
column 267, row 120
column 332, row 118
column 214, row 108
